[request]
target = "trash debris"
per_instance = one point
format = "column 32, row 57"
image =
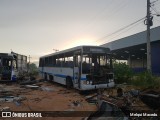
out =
column 7, row 99
column 47, row 89
column 92, row 99
column 5, row 109
column 28, row 82
column 109, row 110
column 32, row 86
column 134, row 93
column 5, row 93
column 116, row 100
column 151, row 98
column 17, row 103
column 119, row 92
column 76, row 103
column 11, row 98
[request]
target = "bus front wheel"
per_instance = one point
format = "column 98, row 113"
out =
column 69, row 83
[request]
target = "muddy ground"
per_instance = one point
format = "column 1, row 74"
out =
column 49, row 96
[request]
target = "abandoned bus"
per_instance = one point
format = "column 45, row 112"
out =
column 82, row 67
column 11, row 64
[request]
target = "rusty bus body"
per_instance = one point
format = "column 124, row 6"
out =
column 11, row 65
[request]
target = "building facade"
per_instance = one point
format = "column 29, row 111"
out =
column 134, row 49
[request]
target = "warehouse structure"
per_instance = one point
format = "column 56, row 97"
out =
column 133, row 49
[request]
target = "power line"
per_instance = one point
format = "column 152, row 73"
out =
column 116, row 8
column 120, row 29
column 157, row 4
column 119, row 8
column 157, row 19
column 110, row 12
column 126, row 30
column 155, row 10
column 100, row 12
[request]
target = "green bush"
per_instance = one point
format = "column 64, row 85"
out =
column 146, row 79
column 33, row 70
column 123, row 73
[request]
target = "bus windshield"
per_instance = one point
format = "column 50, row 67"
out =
column 95, row 62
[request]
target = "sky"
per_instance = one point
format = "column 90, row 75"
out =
column 37, row 27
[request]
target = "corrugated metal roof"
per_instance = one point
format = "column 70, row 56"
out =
column 136, row 39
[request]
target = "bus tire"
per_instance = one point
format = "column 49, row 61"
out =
column 69, row 83
column 50, row 78
column 45, row 76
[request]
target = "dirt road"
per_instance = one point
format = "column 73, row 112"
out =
column 47, row 97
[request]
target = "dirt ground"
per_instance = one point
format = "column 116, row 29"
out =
column 48, row 97
column 56, row 100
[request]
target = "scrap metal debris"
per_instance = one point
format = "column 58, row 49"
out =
column 5, row 109
column 28, row 82
column 125, row 102
column 92, row 99
column 119, row 103
column 11, row 98
column 151, row 98
column 32, row 86
column 47, row 89
column 76, row 103
column 109, row 110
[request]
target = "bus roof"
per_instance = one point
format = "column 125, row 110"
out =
column 6, row 55
column 71, row 50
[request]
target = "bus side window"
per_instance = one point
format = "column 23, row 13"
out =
column 70, row 64
column 58, row 63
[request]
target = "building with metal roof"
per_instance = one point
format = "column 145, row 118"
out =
column 134, row 49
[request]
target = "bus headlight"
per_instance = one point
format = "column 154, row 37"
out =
column 110, row 80
column 86, row 82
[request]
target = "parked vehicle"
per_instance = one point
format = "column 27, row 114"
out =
column 82, row 67
column 12, row 65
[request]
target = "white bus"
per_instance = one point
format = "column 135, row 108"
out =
column 82, row 67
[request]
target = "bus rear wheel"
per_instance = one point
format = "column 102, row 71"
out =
column 45, row 76
column 69, row 83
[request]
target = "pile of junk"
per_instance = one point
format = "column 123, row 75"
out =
column 132, row 105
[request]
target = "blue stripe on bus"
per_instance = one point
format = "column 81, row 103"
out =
column 83, row 78
column 63, row 76
column 60, row 75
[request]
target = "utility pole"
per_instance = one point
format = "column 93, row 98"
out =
column 29, row 59
column 29, row 64
column 148, row 23
column 29, row 68
column 56, row 50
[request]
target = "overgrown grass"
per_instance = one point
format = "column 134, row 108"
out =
column 124, row 74
column 146, row 79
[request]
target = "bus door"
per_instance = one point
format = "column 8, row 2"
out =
column 14, row 71
column 77, row 69
column 42, row 66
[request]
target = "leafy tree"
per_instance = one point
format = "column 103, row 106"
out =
column 33, row 69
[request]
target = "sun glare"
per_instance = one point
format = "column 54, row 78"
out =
column 81, row 41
